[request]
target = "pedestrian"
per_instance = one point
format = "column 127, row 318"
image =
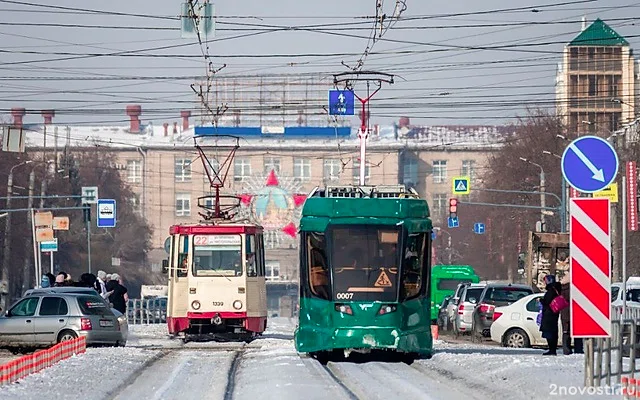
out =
column 100, row 283
column 565, row 315
column 549, row 323
column 60, row 279
column 45, row 282
column 119, row 297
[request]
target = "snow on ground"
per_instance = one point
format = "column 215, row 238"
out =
column 523, row 373
column 86, row 376
column 182, row 375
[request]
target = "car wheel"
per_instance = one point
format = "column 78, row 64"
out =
column 516, row 338
column 67, row 335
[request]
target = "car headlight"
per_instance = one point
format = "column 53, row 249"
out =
column 237, row 304
column 195, row 305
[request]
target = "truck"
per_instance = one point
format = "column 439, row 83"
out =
column 547, row 253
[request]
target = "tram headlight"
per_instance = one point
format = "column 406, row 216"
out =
column 195, row 305
column 237, row 304
column 386, row 309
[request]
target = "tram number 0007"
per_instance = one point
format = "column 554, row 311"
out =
column 344, row 296
column 218, row 303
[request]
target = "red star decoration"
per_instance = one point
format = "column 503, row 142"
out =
column 272, row 180
column 299, row 199
column 290, row 230
column 246, row 199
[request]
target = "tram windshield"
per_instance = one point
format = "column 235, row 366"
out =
column 365, row 263
column 217, row 255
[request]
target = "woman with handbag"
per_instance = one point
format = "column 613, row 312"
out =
column 551, row 307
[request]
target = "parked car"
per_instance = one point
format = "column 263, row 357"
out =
column 465, row 305
column 443, row 318
column 633, row 293
column 515, row 325
column 452, row 308
column 495, row 295
column 48, row 316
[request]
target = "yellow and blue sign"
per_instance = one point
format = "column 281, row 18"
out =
column 610, row 192
column 461, row 185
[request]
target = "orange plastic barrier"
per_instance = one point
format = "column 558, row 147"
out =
column 41, row 359
column 434, row 332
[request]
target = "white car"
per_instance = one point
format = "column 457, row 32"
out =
column 515, row 325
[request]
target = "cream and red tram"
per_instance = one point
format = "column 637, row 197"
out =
column 216, row 280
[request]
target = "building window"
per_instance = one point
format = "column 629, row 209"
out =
column 273, row 270
column 213, row 166
column 135, row 203
column 331, row 169
column 241, row 169
column 468, row 168
column 440, row 201
column 272, row 164
column 183, row 170
column 356, row 172
column 410, row 171
column 302, row 169
column 439, row 171
column 134, row 171
column 183, row 204
column 593, row 89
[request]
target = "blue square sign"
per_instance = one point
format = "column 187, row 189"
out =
column 478, row 228
column 453, row 222
column 341, row 102
column 106, row 213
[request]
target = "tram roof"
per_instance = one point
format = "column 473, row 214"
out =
column 214, row 229
column 318, row 212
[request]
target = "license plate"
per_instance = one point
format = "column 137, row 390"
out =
column 106, row 323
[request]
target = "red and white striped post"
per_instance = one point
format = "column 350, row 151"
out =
column 590, row 249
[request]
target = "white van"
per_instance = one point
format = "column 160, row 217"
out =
column 633, row 293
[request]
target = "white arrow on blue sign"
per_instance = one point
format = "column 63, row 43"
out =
column 341, row 102
column 478, row 228
column 590, row 164
column 106, row 213
column 453, row 222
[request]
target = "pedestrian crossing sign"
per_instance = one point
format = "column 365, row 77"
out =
column 461, row 185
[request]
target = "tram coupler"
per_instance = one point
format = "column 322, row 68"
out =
column 216, row 320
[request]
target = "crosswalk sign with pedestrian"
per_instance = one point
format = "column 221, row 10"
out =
column 461, row 185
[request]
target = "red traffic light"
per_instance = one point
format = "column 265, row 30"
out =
column 453, row 205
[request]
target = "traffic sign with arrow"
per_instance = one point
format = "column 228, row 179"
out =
column 589, row 164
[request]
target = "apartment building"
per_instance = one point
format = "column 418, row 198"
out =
column 596, row 82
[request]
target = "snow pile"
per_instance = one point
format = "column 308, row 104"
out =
column 85, row 376
column 148, row 331
column 523, row 373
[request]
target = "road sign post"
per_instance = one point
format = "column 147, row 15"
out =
column 589, row 164
column 590, row 269
column 106, row 213
column 341, row 102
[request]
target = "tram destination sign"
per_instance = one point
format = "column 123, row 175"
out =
column 217, row 240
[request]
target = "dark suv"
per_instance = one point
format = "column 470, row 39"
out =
column 495, row 295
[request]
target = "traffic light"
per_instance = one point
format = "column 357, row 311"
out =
column 453, row 207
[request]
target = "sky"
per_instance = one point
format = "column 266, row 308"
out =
column 459, row 62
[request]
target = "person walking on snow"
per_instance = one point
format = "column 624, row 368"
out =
column 549, row 323
column 565, row 315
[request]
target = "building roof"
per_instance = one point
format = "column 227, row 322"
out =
column 599, row 34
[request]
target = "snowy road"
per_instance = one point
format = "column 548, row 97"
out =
column 188, row 374
column 154, row 367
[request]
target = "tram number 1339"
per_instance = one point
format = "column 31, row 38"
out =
column 344, row 296
column 218, row 303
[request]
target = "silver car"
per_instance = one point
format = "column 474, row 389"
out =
column 465, row 306
column 48, row 316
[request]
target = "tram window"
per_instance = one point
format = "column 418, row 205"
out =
column 183, row 260
column 260, row 255
column 412, row 262
column 365, row 262
column 221, row 256
column 318, row 266
column 251, row 256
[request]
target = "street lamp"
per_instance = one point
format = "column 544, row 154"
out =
column 565, row 212
column 7, row 230
column 542, row 191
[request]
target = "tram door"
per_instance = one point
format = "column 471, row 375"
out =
column 178, row 275
column 256, row 287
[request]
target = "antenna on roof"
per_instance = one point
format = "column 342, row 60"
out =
column 584, row 22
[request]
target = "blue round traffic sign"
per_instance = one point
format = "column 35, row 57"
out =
column 589, row 164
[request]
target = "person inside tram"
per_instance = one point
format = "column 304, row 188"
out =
column 319, row 274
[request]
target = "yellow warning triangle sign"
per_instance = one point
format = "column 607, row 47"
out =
column 461, row 187
column 383, row 280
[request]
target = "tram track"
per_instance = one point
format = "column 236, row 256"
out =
column 231, row 375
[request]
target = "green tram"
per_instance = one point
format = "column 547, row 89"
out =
column 365, row 268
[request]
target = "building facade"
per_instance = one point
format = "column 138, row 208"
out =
column 596, row 83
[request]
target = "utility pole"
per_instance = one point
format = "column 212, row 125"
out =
column 449, row 249
column 26, row 270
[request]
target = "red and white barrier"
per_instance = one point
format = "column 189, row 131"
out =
column 41, row 359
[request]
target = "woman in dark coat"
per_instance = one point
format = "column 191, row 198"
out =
column 549, row 324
